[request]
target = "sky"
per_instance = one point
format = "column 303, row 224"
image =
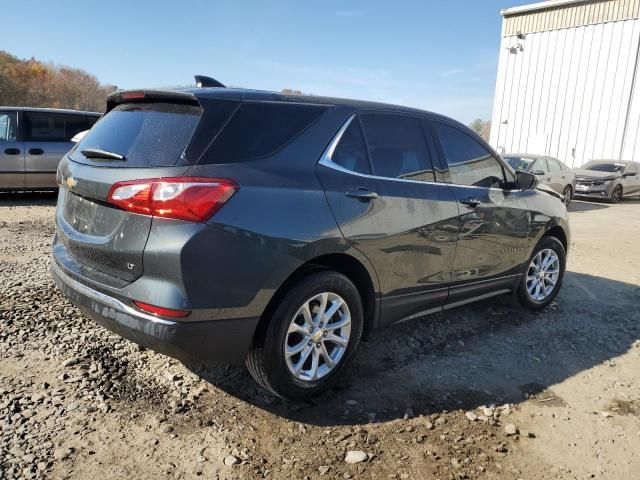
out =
column 439, row 55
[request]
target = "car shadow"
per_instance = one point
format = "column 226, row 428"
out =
column 33, row 199
column 585, row 206
column 493, row 352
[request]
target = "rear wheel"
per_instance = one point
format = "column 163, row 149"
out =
column 543, row 277
column 311, row 336
column 616, row 194
column 568, row 194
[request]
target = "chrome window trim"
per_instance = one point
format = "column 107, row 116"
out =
column 326, row 161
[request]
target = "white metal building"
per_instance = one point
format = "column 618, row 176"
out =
column 568, row 81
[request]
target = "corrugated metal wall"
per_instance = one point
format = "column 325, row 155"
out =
column 568, row 92
column 567, row 16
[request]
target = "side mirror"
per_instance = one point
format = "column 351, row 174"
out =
column 526, row 180
column 630, row 174
column 537, row 172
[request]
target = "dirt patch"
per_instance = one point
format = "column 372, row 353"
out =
column 485, row 391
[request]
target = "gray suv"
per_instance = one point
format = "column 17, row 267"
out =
column 32, row 142
column 225, row 226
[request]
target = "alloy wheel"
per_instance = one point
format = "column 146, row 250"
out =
column 617, row 194
column 543, row 274
column 317, row 337
column 567, row 195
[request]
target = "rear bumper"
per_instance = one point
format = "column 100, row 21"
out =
column 215, row 342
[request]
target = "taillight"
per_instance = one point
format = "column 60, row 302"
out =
column 165, row 312
column 194, row 199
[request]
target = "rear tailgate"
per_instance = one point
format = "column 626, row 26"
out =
column 98, row 239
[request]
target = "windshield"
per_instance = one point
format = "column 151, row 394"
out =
column 145, row 134
column 519, row 163
column 605, row 167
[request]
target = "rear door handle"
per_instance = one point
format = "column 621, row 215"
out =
column 11, row 151
column 361, row 194
column 470, row 202
column 36, row 151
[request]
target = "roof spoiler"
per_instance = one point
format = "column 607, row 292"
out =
column 143, row 96
column 203, row 81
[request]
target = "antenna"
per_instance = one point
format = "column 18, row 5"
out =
column 203, row 81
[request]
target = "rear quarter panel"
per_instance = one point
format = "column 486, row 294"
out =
column 278, row 220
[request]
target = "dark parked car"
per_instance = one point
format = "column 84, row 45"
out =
column 32, row 142
column 608, row 180
column 550, row 171
column 225, row 226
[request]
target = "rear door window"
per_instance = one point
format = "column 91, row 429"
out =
column 260, row 129
column 8, row 126
column 147, row 134
column 351, row 151
column 469, row 162
column 398, row 147
column 554, row 166
column 541, row 165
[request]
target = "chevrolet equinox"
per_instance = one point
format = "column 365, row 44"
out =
column 224, row 226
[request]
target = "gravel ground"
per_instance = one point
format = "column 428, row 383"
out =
column 487, row 391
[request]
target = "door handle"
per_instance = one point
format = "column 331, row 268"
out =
column 470, row 202
column 12, row 151
column 361, row 194
column 36, row 151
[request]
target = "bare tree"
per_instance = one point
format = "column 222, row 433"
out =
column 36, row 84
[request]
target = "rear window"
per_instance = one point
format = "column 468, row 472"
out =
column 259, row 129
column 147, row 134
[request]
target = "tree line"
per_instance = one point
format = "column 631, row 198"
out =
column 31, row 83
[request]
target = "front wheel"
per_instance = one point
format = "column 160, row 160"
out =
column 543, row 277
column 310, row 337
column 616, row 194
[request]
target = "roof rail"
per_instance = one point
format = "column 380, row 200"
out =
column 203, row 81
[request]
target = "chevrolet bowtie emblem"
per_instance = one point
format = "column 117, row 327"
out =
column 71, row 182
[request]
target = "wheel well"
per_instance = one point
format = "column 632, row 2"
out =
column 558, row 232
column 338, row 262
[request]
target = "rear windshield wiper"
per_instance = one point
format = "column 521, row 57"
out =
column 99, row 153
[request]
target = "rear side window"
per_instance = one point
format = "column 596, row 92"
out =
column 469, row 162
column 8, row 126
column 398, row 147
column 53, row 127
column 351, row 151
column 147, row 134
column 259, row 129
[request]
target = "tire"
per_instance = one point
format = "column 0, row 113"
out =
column 568, row 195
column 528, row 299
column 616, row 194
column 267, row 361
